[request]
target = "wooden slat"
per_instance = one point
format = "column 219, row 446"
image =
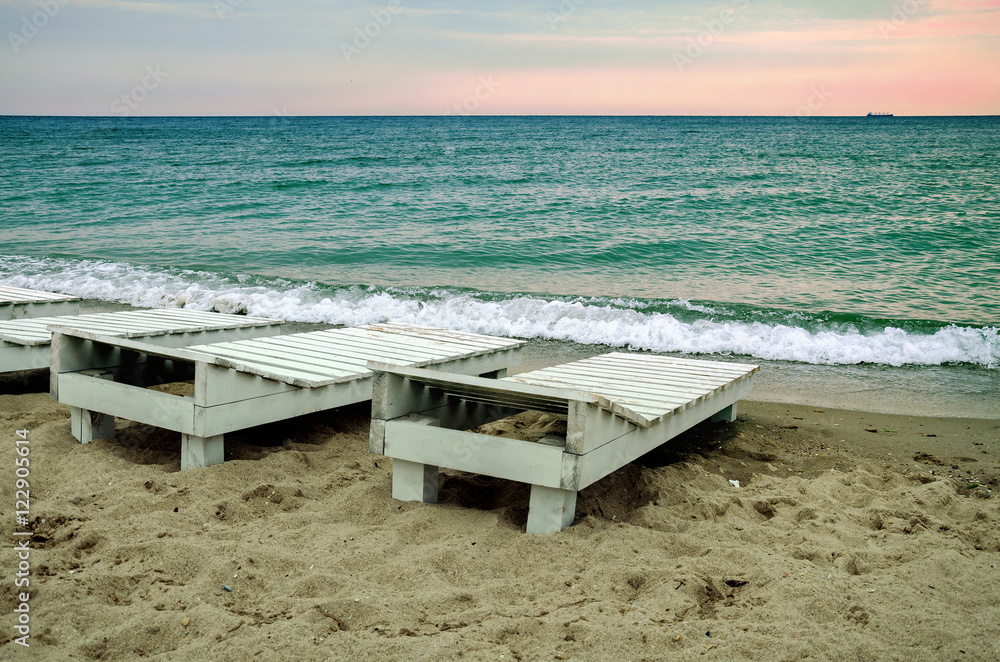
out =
column 275, row 360
column 20, row 336
column 313, row 346
column 129, row 324
column 299, row 364
column 645, row 386
column 651, row 373
column 284, row 375
column 166, row 318
column 141, row 320
column 126, row 401
column 664, row 387
column 646, row 361
column 643, row 377
column 27, row 324
column 519, row 402
column 674, row 359
column 186, row 354
column 622, row 395
column 641, row 417
column 483, row 387
column 110, row 326
column 447, row 334
column 388, row 347
column 423, row 341
column 676, row 375
column 379, row 346
column 174, row 320
column 320, row 358
column 300, row 349
column 356, row 350
column 214, row 320
column 337, row 343
column 10, row 294
column 640, row 389
column 513, row 459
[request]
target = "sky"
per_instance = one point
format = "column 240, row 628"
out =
column 437, row 57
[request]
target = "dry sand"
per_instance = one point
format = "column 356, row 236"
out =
column 839, row 543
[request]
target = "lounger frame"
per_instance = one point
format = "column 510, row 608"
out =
column 101, row 378
column 422, row 421
column 25, row 344
column 20, row 303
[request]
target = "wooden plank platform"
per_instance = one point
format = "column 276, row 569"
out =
column 619, row 406
column 19, row 303
column 25, row 343
column 246, row 383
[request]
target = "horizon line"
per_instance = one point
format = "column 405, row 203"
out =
column 464, row 116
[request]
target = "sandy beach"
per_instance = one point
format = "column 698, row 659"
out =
column 851, row 536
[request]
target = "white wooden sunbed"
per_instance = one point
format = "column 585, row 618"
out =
column 619, row 407
column 242, row 384
column 18, row 303
column 25, row 343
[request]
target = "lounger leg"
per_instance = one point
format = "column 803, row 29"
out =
column 727, row 415
column 412, row 481
column 88, row 425
column 197, row 452
column 75, row 415
column 550, row 509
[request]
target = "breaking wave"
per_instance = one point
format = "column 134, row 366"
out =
column 660, row 326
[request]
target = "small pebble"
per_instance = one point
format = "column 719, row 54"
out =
column 185, row 621
column 227, row 587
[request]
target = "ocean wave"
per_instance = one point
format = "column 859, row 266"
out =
column 664, row 326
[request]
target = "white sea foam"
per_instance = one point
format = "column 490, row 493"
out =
column 618, row 323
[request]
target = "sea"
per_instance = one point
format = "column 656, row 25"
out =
column 857, row 260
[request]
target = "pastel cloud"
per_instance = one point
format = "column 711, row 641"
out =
column 312, row 57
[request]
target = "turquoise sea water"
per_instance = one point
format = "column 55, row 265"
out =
column 826, row 242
